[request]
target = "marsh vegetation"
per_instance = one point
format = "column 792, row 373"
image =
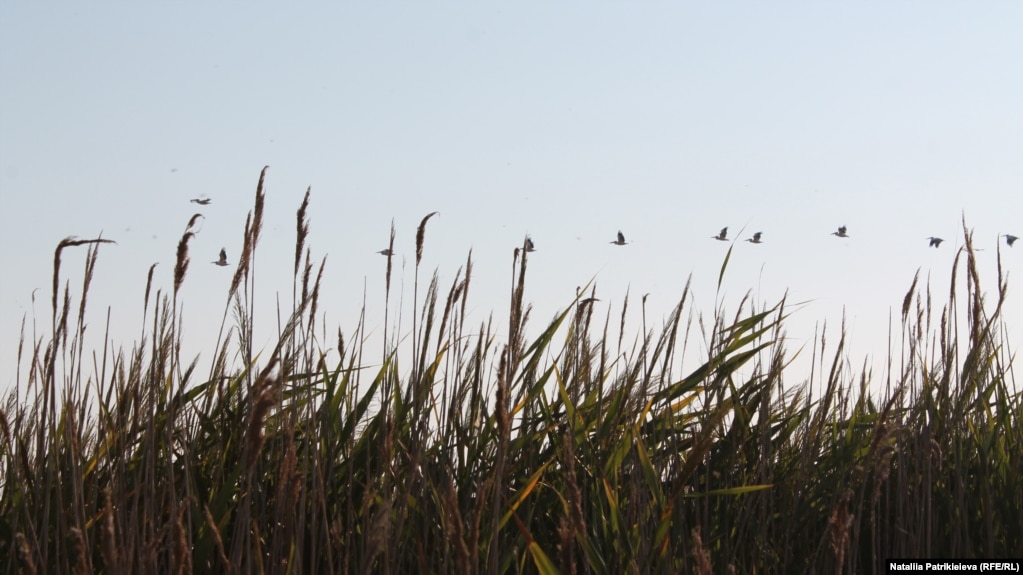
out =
column 469, row 451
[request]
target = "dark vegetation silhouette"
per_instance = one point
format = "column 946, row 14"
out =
column 484, row 452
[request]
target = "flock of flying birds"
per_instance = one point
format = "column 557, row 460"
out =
column 223, row 251
column 721, row 236
column 757, row 238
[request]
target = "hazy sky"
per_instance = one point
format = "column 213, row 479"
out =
column 563, row 120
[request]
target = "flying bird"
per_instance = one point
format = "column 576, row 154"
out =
column 1010, row 239
column 529, row 244
column 387, row 252
column 223, row 258
column 621, row 239
column 722, row 235
column 201, row 201
column 840, row 233
column 756, row 238
column 935, row 242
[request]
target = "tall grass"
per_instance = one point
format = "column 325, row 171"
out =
column 568, row 452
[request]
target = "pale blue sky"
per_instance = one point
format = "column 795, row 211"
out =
column 564, row 120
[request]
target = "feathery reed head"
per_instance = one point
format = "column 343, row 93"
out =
column 421, row 235
column 192, row 221
column 303, row 228
column 181, row 265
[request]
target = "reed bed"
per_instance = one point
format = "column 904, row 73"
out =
column 564, row 452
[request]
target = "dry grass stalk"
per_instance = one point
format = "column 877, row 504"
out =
column 218, row 541
column 67, row 242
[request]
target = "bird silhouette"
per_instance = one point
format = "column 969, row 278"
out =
column 1010, row 239
column 935, row 242
column 840, row 233
column 529, row 244
column 201, row 201
column 621, row 239
column 722, row 235
column 223, row 258
column 387, row 252
column 756, row 238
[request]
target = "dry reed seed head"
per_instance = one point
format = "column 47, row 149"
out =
column 62, row 324
column 306, row 272
column 465, row 284
column 192, row 221
column 316, row 291
column 149, row 285
column 302, row 228
column 257, row 222
column 448, row 305
column 6, row 428
column 90, row 265
column 500, row 409
column 243, row 259
column 181, row 265
column 909, row 296
column 421, row 236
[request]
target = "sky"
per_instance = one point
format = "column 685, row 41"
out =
column 566, row 121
